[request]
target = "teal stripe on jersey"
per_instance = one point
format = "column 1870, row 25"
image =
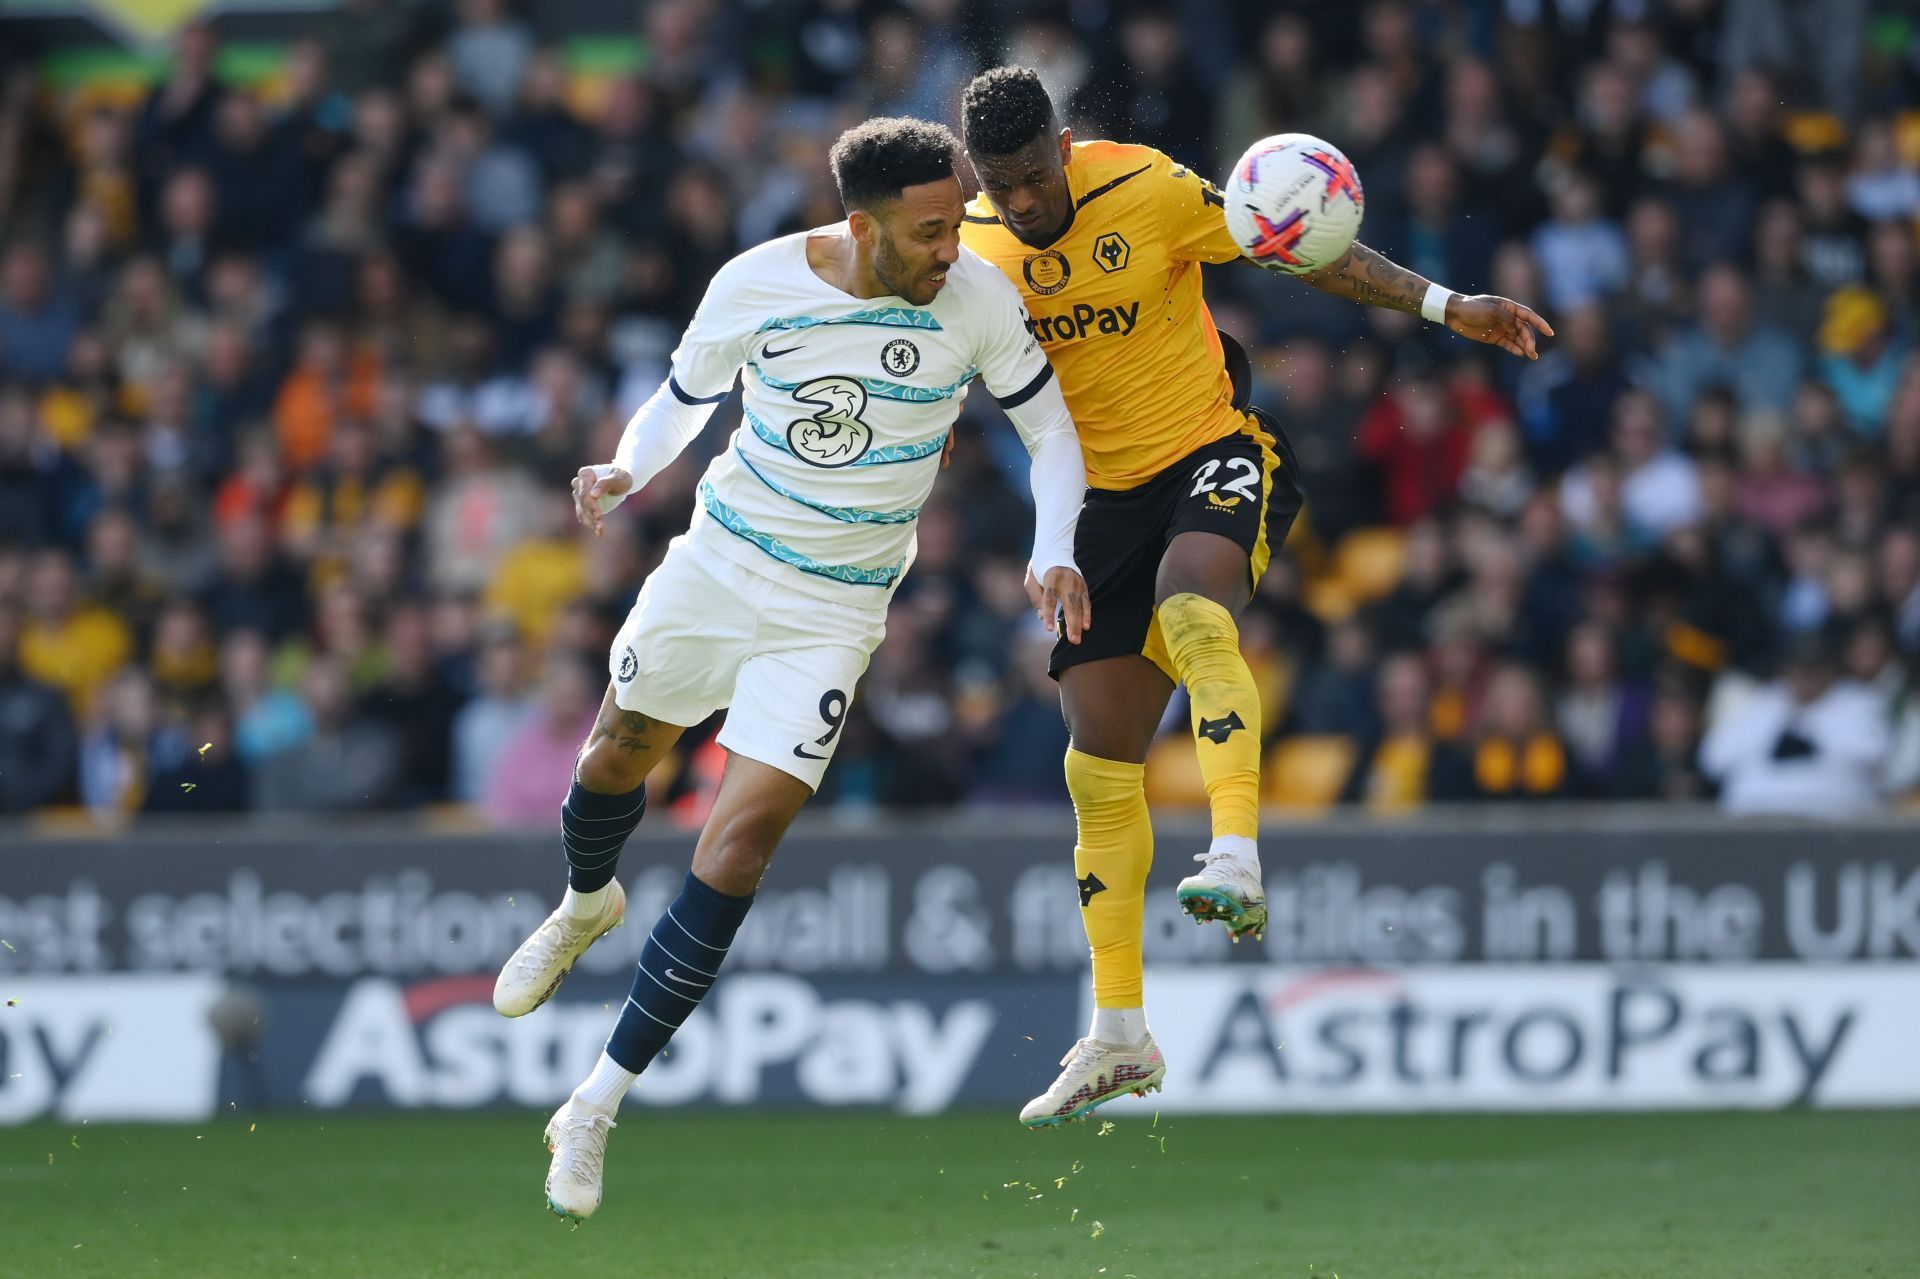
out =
column 845, row 514
column 872, row 457
column 889, row 317
column 853, row 575
column 882, row 388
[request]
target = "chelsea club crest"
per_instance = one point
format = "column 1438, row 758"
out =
column 900, row 357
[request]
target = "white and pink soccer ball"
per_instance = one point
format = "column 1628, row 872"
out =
column 1293, row 203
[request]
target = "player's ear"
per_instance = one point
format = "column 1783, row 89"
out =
column 1066, row 145
column 864, row 228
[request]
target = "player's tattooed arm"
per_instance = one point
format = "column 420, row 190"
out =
column 1364, row 276
column 1369, row 278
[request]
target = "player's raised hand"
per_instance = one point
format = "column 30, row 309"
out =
column 1062, row 598
column 591, row 485
column 1498, row 322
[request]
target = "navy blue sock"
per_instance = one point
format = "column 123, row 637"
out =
column 680, row 960
column 593, row 830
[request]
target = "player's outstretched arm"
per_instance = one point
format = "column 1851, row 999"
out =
column 1058, row 476
column 655, row 435
column 1022, row 382
column 699, row 376
column 1364, row 275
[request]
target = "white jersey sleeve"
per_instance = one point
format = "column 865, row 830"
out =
column 1016, row 371
column 1010, row 360
column 714, row 345
column 699, row 376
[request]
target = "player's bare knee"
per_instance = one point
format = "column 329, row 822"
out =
column 1207, row 565
column 620, row 752
column 1230, row 589
column 603, row 767
column 735, row 858
column 622, row 748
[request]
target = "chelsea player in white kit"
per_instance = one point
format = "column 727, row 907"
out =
column 856, row 344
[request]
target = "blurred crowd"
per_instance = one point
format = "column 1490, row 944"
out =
column 295, row 368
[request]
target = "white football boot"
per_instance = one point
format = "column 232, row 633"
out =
column 1095, row 1074
column 533, row 972
column 577, row 1136
column 1227, row 889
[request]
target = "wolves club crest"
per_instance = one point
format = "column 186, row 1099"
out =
column 1218, row 731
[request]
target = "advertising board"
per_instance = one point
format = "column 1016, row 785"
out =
column 1406, row 967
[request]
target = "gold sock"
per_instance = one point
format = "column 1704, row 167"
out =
column 1111, row 860
column 1204, row 646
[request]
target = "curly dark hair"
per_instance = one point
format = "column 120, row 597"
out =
column 875, row 161
column 1005, row 108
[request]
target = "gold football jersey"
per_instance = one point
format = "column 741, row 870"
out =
column 1115, row 302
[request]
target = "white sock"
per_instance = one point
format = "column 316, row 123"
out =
column 607, row 1084
column 584, row 905
column 1238, row 847
column 1119, row 1025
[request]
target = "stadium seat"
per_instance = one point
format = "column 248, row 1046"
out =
column 594, row 64
column 1306, row 773
column 1906, row 137
column 1808, row 131
column 1173, row 774
column 1329, row 598
column 1368, row 561
column 112, row 93
column 453, row 819
column 1273, row 676
column 70, row 820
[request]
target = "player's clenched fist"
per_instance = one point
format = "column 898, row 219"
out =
column 597, row 490
column 1063, row 596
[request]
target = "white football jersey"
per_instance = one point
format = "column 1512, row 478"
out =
column 848, row 404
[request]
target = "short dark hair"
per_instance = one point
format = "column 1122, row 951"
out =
column 875, row 161
column 1003, row 109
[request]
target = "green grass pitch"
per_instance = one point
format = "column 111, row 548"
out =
column 851, row 1195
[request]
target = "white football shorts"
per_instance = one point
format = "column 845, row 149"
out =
column 707, row 634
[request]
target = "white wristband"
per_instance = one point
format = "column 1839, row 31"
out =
column 1433, row 307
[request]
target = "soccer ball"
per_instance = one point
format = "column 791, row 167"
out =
column 1294, row 203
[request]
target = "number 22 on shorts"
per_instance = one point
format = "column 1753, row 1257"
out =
column 1241, row 484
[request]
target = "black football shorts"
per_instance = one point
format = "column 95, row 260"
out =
column 1244, row 486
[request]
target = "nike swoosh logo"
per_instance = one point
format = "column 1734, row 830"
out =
column 673, row 976
column 804, row 753
column 768, row 353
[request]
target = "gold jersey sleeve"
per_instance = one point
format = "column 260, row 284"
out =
column 1115, row 302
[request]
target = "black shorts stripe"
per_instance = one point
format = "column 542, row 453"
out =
column 1027, row 392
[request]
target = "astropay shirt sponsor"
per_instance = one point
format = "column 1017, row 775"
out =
column 1572, row 1037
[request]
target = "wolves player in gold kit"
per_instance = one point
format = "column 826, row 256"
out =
column 1190, row 491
